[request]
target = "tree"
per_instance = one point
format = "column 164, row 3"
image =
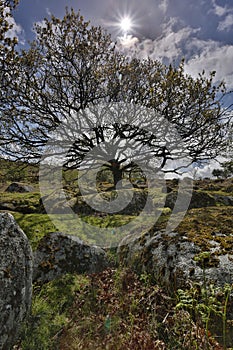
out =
column 72, row 79
column 219, row 173
column 7, row 43
column 7, row 47
column 7, row 59
column 225, row 172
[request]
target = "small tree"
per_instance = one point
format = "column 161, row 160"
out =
column 219, row 173
column 225, row 172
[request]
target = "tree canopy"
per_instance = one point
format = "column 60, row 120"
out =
column 73, row 68
column 7, row 46
column 225, row 171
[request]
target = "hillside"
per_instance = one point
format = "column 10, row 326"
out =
column 122, row 307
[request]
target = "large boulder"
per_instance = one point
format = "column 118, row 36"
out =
column 59, row 253
column 16, row 264
column 133, row 202
column 198, row 200
column 19, row 187
column 223, row 199
column 174, row 260
column 7, row 206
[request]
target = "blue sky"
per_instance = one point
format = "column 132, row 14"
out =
column 199, row 30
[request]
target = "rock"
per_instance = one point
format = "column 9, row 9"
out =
column 59, row 253
column 171, row 259
column 223, row 200
column 198, row 200
column 201, row 199
column 55, row 204
column 133, row 206
column 19, row 187
column 16, row 263
column 229, row 189
column 7, row 206
column 137, row 204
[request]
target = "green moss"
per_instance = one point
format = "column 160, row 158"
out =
column 35, row 226
column 19, row 199
column 206, row 259
column 206, row 224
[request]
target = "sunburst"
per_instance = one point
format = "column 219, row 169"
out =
column 125, row 24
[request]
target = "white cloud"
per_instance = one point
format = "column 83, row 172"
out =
column 163, row 6
column 226, row 24
column 128, row 41
column 206, row 171
column 227, row 12
column 170, row 43
column 168, row 46
column 16, row 31
column 213, row 56
column 178, row 41
column 48, row 11
column 41, row 24
column 219, row 10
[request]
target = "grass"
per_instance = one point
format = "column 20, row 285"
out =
column 200, row 226
column 37, row 225
column 28, row 202
column 49, row 312
column 116, row 310
column 17, row 171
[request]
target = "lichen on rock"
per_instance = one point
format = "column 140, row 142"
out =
column 170, row 258
column 16, row 263
column 59, row 253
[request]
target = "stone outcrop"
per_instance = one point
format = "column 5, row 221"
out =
column 19, row 187
column 173, row 260
column 223, row 199
column 59, row 253
column 7, row 206
column 16, row 263
column 133, row 202
column 18, row 207
column 198, row 200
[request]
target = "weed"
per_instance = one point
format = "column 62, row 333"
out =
column 205, row 302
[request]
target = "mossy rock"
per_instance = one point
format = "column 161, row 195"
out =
column 198, row 200
column 171, row 258
column 19, row 187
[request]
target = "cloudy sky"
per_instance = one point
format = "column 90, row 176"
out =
column 201, row 31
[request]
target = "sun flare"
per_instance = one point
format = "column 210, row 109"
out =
column 126, row 24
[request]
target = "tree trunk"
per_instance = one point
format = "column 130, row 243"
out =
column 117, row 174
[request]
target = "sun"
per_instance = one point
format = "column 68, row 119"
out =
column 123, row 23
column 126, row 24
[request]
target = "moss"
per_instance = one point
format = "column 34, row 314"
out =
column 19, row 199
column 207, row 260
column 204, row 225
